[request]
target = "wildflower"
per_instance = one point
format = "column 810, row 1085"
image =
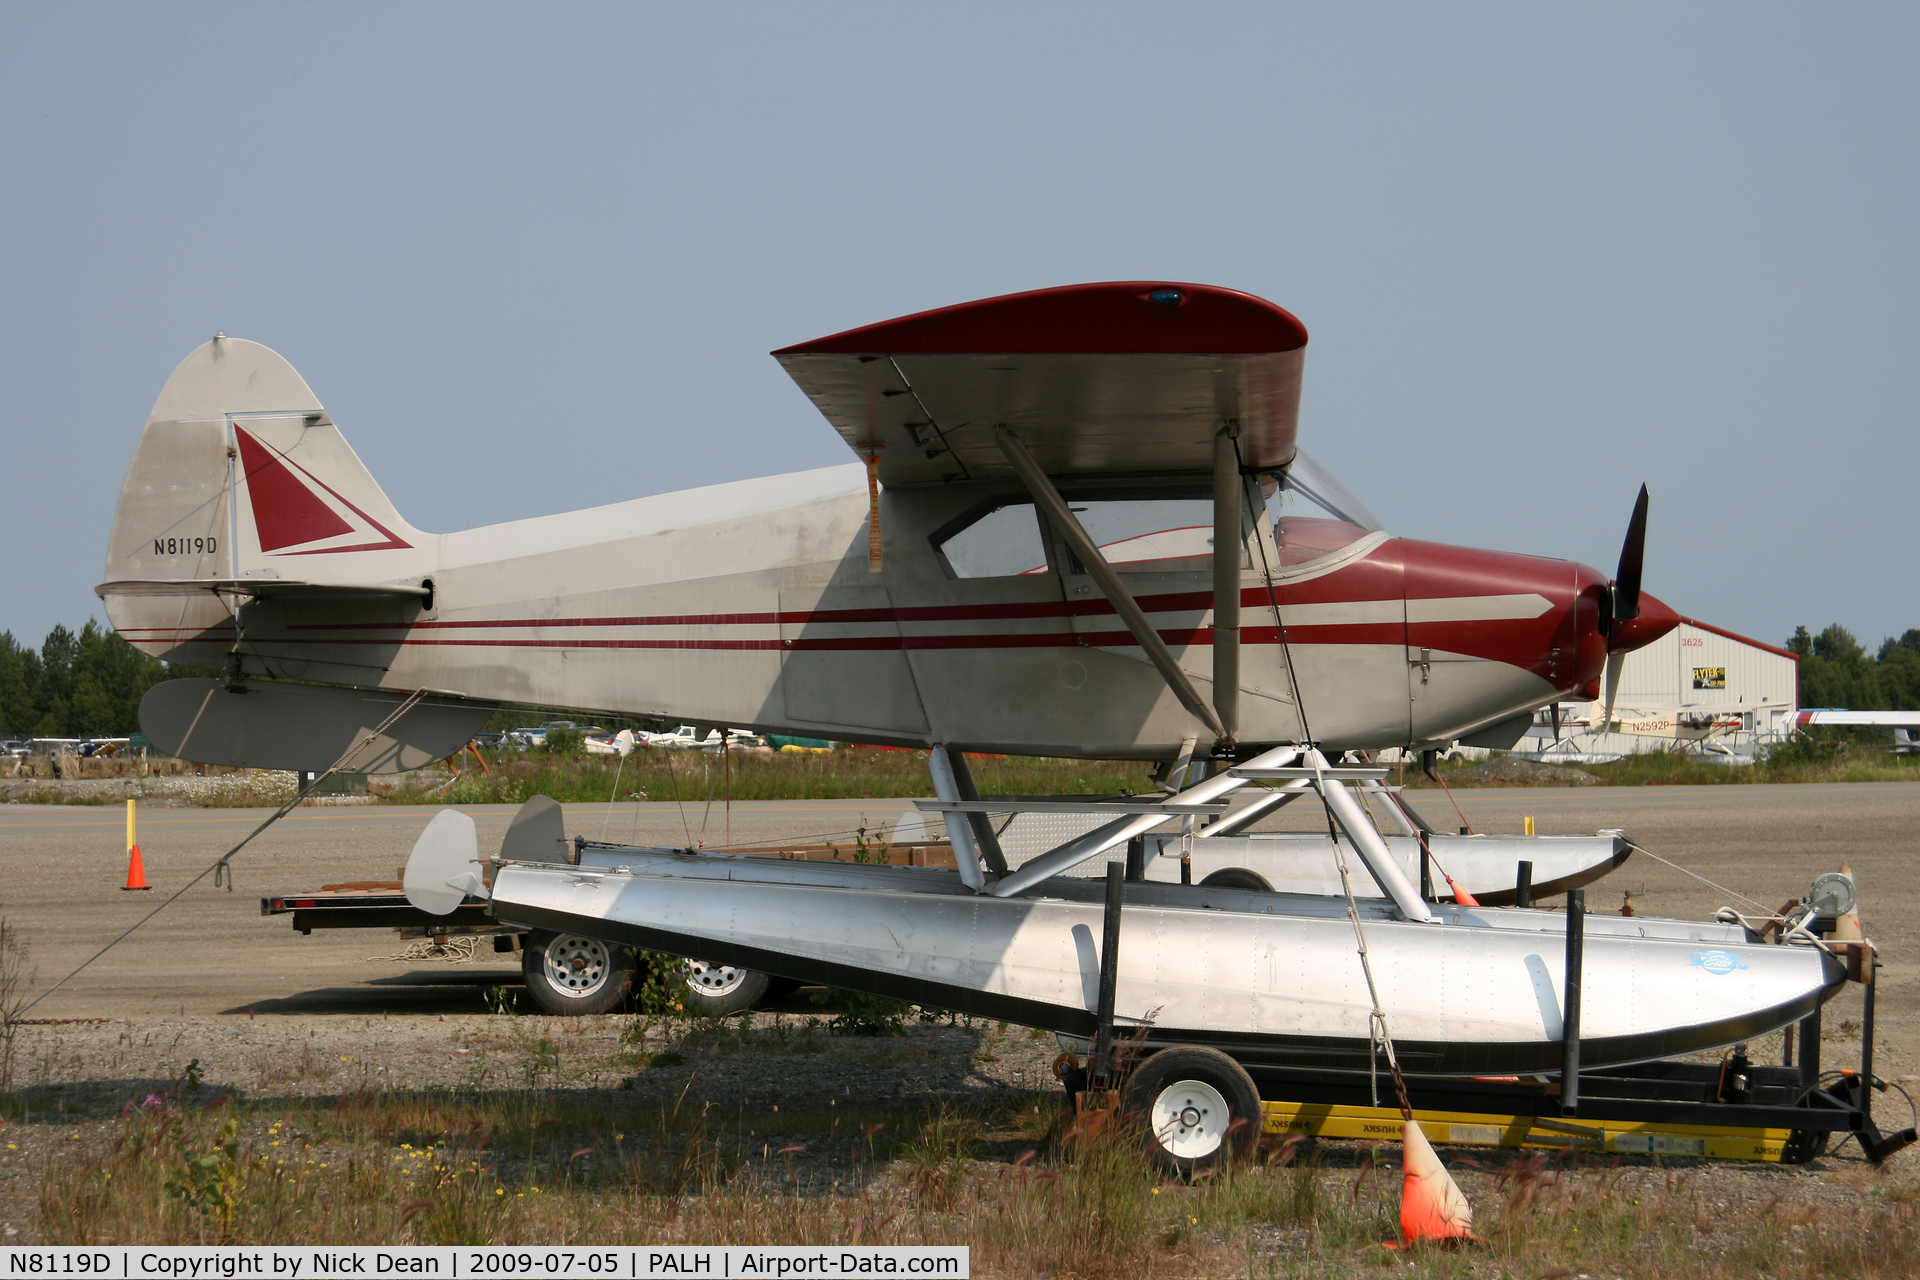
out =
column 154, row 1100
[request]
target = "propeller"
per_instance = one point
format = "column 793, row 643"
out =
column 1625, row 595
column 1633, row 554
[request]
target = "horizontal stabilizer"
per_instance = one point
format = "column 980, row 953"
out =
column 259, row 589
column 304, row 728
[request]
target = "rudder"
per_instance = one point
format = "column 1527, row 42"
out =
column 240, row 476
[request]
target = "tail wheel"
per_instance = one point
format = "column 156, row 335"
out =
column 1199, row 1106
column 571, row 974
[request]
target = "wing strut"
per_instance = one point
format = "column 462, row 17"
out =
column 1048, row 499
column 1228, row 540
column 984, row 839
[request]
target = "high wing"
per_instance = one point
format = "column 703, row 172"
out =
column 1881, row 719
column 1127, row 377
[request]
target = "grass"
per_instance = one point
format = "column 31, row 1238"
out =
column 1659, row 768
column 1031, row 1188
column 698, row 776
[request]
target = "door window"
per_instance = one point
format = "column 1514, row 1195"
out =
column 998, row 541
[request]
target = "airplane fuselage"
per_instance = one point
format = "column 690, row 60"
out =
column 754, row 605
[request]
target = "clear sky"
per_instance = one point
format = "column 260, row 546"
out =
column 532, row 257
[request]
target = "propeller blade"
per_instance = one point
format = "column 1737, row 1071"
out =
column 1626, row 583
column 1615, row 661
column 1556, row 724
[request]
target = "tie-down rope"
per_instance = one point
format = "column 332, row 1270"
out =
column 221, row 871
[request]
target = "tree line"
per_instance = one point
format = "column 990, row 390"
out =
column 76, row 684
column 90, row 682
column 1837, row 671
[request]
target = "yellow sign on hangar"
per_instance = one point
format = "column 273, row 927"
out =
column 1709, row 677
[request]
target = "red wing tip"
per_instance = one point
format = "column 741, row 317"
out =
column 1119, row 317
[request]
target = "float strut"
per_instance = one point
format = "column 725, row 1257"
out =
column 1570, row 1018
column 1523, row 885
column 1866, row 1044
column 1810, row 1050
column 1137, row 859
column 1100, row 1069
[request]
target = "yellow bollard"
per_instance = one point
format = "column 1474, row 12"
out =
column 1529, row 822
column 136, row 872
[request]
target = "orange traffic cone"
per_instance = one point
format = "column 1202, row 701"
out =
column 136, row 872
column 1431, row 1206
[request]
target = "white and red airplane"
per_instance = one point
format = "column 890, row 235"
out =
column 1080, row 525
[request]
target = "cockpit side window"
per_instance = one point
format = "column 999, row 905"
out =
column 1150, row 535
column 997, row 540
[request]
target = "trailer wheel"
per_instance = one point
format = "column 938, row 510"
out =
column 1237, row 878
column 718, row 990
column 572, row 975
column 1199, row 1106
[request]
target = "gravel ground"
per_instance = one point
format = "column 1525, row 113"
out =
column 270, row 1015
column 84, row 1073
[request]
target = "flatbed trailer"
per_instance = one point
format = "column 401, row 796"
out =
column 568, row 975
column 382, row 904
column 1659, row 1108
column 1734, row 1109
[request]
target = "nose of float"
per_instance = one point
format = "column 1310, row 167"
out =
column 1655, row 620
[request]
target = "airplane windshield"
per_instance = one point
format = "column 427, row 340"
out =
column 1314, row 514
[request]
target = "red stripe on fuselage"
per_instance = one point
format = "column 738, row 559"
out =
column 1397, row 570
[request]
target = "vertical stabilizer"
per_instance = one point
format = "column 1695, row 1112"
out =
column 241, row 477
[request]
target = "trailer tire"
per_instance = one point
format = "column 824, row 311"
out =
column 1198, row 1105
column 571, row 975
column 1237, row 878
column 721, row 990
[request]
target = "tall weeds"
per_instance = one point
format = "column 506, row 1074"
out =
column 697, row 776
column 16, row 981
column 1081, row 1199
